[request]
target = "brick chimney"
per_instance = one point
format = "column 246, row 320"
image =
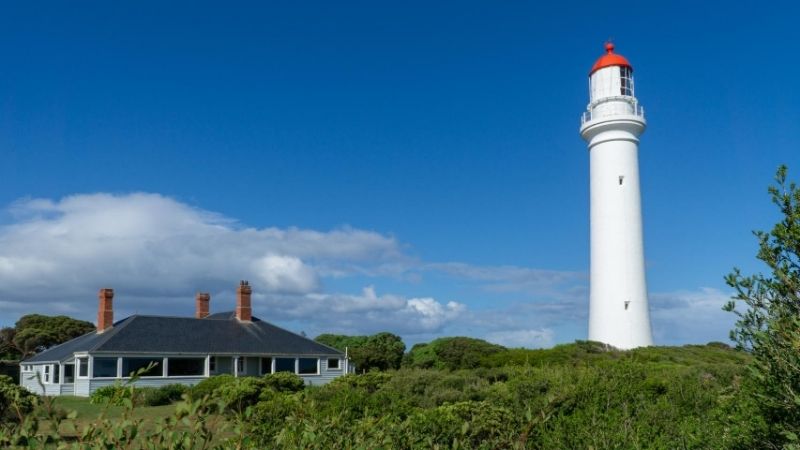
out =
column 105, row 309
column 243, row 309
column 201, row 305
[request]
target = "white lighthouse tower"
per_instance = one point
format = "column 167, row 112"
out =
column 611, row 125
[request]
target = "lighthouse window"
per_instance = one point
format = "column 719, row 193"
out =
column 626, row 81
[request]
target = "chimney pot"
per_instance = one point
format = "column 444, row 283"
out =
column 201, row 305
column 105, row 309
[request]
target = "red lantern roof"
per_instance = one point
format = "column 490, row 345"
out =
column 610, row 59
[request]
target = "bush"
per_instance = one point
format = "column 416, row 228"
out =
column 209, row 385
column 463, row 425
column 242, row 393
column 163, row 395
column 370, row 381
column 284, row 382
column 269, row 417
column 15, row 401
column 113, row 394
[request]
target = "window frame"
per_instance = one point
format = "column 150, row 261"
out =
column 297, row 368
column 116, row 367
column 275, row 365
column 200, row 374
column 159, row 359
column 47, row 370
column 338, row 364
column 85, row 360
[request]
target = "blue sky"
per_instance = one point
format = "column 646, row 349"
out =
column 411, row 167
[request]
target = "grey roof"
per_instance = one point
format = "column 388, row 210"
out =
column 219, row 333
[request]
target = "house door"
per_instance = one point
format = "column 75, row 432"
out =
column 69, row 375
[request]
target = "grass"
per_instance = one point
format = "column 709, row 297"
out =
column 88, row 413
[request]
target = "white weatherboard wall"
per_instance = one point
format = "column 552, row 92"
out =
column 84, row 386
column 618, row 309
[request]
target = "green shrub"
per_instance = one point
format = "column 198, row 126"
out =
column 163, row 395
column 15, row 401
column 113, row 394
column 269, row 417
column 284, row 382
column 242, row 393
column 463, row 425
column 370, row 381
column 209, row 385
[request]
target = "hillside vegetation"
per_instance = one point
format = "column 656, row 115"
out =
column 580, row 395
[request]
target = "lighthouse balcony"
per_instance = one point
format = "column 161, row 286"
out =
column 612, row 106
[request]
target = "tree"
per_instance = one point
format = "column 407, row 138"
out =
column 769, row 327
column 382, row 351
column 451, row 353
column 35, row 332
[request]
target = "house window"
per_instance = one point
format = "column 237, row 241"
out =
column 186, row 367
column 104, row 368
column 212, row 364
column 333, row 363
column 56, row 373
column 83, row 367
column 266, row 366
column 284, row 365
column 307, row 366
column 46, row 373
column 131, row 365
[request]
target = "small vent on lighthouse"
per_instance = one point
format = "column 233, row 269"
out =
column 621, row 177
column 627, row 303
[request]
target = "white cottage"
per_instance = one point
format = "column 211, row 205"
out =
column 183, row 350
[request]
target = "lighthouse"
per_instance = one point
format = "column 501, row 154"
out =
column 611, row 126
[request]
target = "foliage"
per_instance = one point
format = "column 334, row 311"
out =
column 241, row 394
column 284, row 382
column 381, row 351
column 451, row 353
column 35, row 332
column 192, row 426
column 770, row 324
column 118, row 394
column 655, row 399
column 686, row 397
column 341, row 341
column 15, row 402
column 163, row 395
column 209, row 385
column 113, row 394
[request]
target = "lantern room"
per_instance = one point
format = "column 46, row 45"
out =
column 611, row 87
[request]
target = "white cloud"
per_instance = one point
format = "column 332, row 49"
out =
column 690, row 316
column 527, row 338
column 285, row 273
column 365, row 313
column 154, row 245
